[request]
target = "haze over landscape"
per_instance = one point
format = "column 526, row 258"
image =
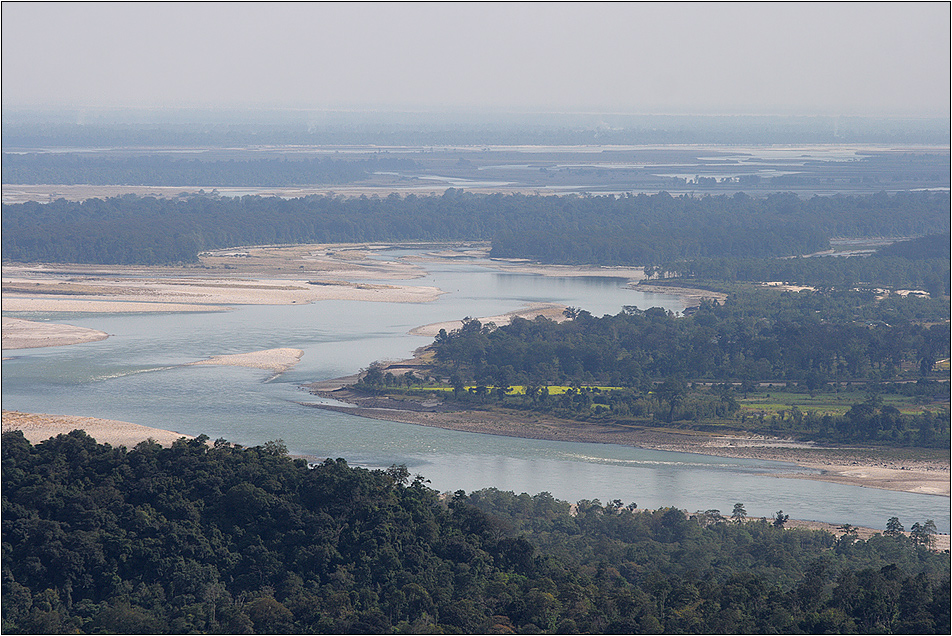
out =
column 859, row 59
column 476, row 317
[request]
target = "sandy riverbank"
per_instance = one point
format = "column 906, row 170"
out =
column 262, row 275
column 129, row 295
column 268, row 275
column 28, row 334
column 871, row 468
column 547, row 310
column 692, row 297
column 37, row 427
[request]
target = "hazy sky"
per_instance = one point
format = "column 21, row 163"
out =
column 813, row 58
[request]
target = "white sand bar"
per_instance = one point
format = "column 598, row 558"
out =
column 127, row 295
column 550, row 311
column 276, row 360
column 27, row 334
column 39, row 427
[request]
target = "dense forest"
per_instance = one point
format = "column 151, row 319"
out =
column 758, row 334
column 201, row 538
column 153, row 170
column 599, row 230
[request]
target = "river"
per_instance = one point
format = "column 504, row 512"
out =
column 135, row 376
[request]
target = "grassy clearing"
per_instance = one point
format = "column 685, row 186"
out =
column 774, row 401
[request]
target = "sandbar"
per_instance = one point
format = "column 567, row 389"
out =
column 38, row 427
column 522, row 266
column 276, row 360
column 691, row 296
column 28, row 334
column 547, row 310
column 132, row 295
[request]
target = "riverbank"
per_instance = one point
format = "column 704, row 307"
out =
column 889, row 469
column 273, row 275
column 29, row 334
column 546, row 310
column 38, row 427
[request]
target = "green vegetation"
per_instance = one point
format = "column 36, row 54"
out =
column 222, row 539
column 830, row 366
column 918, row 264
column 603, row 230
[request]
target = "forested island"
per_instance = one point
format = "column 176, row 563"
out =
column 216, row 538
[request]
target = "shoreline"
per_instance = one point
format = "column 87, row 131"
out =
column 270, row 275
column 29, row 334
column 38, row 427
column 864, row 467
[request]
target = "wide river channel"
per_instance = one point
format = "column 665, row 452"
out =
column 135, row 376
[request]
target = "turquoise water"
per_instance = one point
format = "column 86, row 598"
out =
column 134, row 376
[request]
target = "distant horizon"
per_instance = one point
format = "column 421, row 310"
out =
column 863, row 59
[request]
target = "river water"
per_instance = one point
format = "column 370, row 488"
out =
column 134, row 376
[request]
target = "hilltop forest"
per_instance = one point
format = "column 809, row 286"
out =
column 201, row 538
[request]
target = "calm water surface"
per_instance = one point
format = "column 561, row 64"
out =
column 134, row 376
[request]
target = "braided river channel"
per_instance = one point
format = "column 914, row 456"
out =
column 135, row 376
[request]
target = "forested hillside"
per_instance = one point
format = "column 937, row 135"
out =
column 603, row 230
column 222, row 539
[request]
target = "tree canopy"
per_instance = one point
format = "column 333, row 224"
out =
column 201, row 538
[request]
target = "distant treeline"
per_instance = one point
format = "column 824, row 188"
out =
column 153, row 170
column 920, row 264
column 603, row 230
column 647, row 230
column 222, row 539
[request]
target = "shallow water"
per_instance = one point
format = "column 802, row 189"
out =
column 134, row 376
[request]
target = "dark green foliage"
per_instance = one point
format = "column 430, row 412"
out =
column 928, row 274
column 925, row 247
column 806, row 340
column 631, row 230
column 644, row 230
column 200, row 539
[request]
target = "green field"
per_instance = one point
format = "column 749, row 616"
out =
column 773, row 401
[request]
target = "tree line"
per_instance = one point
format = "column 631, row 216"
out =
column 782, row 340
column 600, row 230
column 663, row 368
column 216, row 538
column 917, row 264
